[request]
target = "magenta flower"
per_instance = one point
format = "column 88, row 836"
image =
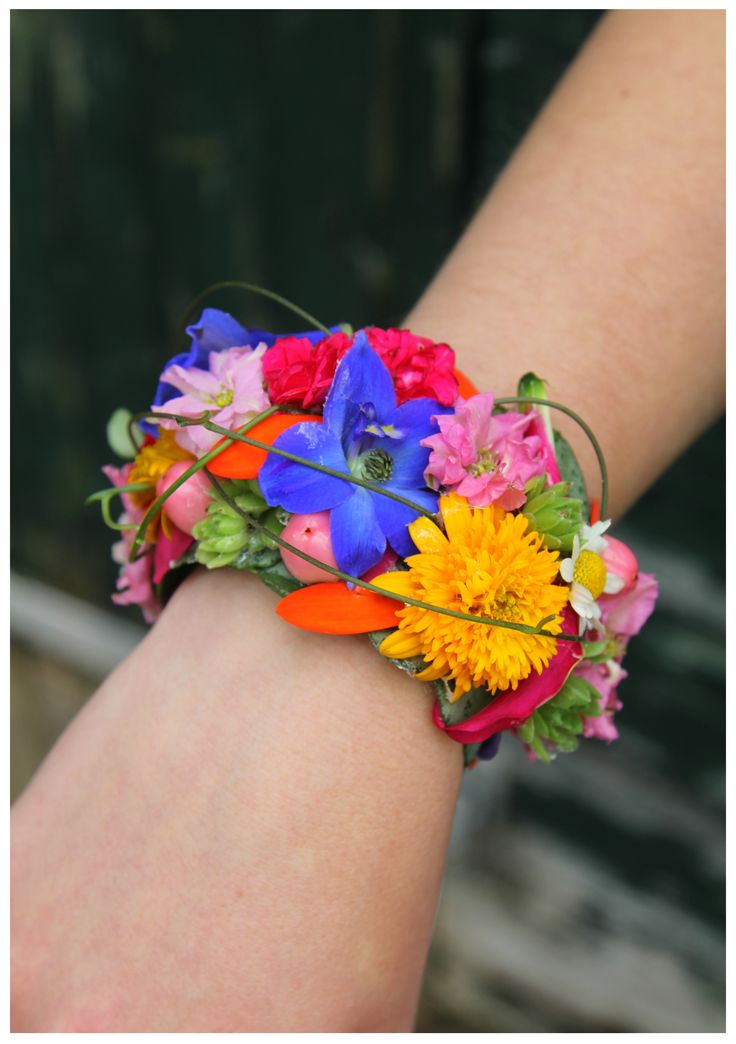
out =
column 233, row 386
column 485, row 458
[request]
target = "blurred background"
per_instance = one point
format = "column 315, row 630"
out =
column 335, row 157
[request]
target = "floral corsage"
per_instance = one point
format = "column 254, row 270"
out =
column 365, row 480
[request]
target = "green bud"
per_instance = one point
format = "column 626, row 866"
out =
column 118, row 434
column 555, row 516
column 534, row 387
column 525, row 732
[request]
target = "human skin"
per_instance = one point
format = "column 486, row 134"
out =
column 246, row 826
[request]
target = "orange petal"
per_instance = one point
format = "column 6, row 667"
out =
column 595, row 511
column 466, row 388
column 240, row 461
column 334, row 609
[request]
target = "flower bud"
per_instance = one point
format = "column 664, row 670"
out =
column 188, row 504
column 621, row 561
column 311, row 534
column 555, row 516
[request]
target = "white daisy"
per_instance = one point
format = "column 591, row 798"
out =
column 586, row 573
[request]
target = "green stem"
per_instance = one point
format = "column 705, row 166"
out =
column 195, row 467
column 405, row 599
column 104, row 496
column 346, row 477
column 235, row 284
column 579, row 420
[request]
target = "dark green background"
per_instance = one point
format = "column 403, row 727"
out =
column 334, row 157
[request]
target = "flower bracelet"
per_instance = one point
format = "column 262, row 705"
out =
column 366, row 481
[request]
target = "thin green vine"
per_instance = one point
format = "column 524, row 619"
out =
column 509, row 399
column 404, row 599
column 236, row 284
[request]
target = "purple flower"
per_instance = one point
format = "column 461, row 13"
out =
column 364, row 434
column 214, row 332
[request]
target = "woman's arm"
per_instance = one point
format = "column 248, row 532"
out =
column 245, row 828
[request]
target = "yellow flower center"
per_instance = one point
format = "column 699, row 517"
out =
column 590, row 572
column 485, row 463
column 223, row 398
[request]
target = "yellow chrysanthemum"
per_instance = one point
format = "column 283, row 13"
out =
column 152, row 463
column 488, row 564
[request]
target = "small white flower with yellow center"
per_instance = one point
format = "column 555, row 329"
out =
column 585, row 571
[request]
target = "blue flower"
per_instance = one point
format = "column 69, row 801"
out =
column 364, row 434
column 215, row 331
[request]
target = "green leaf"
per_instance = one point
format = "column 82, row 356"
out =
column 570, row 470
column 279, row 579
column 411, row 666
column 453, row 713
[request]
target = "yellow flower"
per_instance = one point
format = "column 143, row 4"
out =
column 488, row 564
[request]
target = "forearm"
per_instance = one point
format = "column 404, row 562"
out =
column 597, row 260
column 264, row 816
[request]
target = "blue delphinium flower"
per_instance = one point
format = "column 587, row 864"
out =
column 364, row 433
column 213, row 332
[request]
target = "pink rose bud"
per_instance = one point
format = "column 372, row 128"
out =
column 311, row 534
column 187, row 505
column 621, row 561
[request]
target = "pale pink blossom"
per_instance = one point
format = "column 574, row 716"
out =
column 486, row 459
column 232, row 389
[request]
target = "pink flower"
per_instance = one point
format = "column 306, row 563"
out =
column 168, row 549
column 233, row 385
column 485, row 459
column 419, row 367
column 136, row 579
column 134, row 583
column 300, row 372
column 625, row 614
column 121, row 477
column 604, row 677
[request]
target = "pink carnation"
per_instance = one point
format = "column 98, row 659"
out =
column 299, row 372
column 419, row 367
column 486, row 459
